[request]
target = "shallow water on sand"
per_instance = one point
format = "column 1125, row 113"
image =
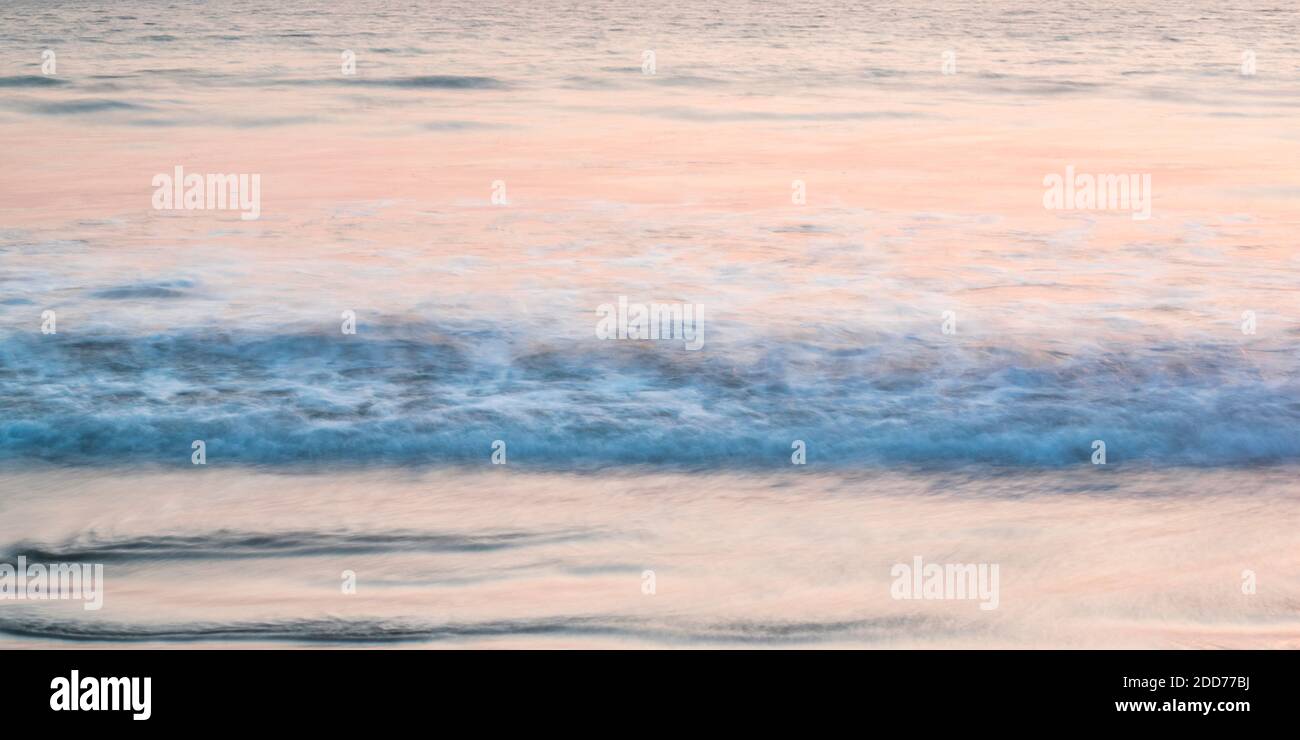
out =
column 491, row 559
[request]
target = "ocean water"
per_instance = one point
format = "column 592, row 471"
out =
column 947, row 351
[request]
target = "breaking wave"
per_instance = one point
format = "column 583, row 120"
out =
column 437, row 398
